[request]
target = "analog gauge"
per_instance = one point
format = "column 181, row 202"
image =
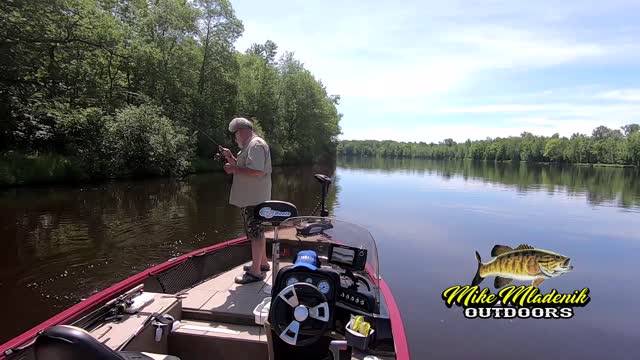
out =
column 324, row 287
column 292, row 280
column 309, row 281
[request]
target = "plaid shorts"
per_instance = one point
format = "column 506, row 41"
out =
column 252, row 226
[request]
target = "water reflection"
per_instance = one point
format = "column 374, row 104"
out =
column 430, row 217
column 602, row 185
column 60, row 244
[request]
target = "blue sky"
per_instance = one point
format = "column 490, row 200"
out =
column 429, row 70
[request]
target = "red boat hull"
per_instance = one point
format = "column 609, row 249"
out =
column 80, row 309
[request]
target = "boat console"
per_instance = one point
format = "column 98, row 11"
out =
column 313, row 304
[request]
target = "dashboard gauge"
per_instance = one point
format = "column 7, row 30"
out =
column 292, row 280
column 309, row 281
column 324, row 287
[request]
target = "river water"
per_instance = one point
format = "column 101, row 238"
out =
column 60, row 244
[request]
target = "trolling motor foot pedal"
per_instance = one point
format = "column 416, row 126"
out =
column 308, row 228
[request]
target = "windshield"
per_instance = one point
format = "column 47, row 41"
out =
column 337, row 232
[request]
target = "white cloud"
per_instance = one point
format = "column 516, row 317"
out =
column 504, row 120
column 511, row 47
column 415, row 61
column 560, row 110
column 477, row 131
column 415, row 78
column 632, row 95
column 499, row 108
column 391, row 53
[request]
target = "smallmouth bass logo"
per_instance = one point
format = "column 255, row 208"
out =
column 524, row 263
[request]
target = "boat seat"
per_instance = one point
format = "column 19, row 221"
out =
column 64, row 342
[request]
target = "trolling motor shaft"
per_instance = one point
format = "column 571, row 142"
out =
column 312, row 227
column 324, row 181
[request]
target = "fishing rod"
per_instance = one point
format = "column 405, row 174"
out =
column 207, row 135
column 218, row 155
column 111, row 310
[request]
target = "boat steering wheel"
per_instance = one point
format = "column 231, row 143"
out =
column 301, row 314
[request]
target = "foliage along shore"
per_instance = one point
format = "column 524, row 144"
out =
column 100, row 90
column 605, row 146
column 18, row 169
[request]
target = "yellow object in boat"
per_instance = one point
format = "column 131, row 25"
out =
column 356, row 323
column 364, row 328
column 360, row 326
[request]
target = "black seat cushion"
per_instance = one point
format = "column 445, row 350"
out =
column 132, row 355
column 71, row 343
column 64, row 342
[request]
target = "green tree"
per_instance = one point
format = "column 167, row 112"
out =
column 142, row 141
column 630, row 129
column 554, row 150
column 634, row 148
column 606, row 146
column 69, row 68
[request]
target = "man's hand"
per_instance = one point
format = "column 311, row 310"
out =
column 230, row 169
column 228, row 155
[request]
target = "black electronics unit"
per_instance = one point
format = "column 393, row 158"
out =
column 348, row 257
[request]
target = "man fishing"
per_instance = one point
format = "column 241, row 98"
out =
column 251, row 186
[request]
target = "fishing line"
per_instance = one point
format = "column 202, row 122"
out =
column 217, row 156
column 207, row 135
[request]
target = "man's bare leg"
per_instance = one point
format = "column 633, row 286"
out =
column 257, row 250
column 263, row 250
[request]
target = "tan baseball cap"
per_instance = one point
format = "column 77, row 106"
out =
column 239, row 123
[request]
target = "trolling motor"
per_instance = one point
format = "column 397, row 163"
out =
column 308, row 228
column 324, row 181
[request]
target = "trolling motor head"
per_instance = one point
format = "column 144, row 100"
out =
column 323, row 179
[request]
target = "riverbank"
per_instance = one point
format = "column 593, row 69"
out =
column 561, row 163
column 18, row 170
column 27, row 170
column 44, row 169
column 492, row 161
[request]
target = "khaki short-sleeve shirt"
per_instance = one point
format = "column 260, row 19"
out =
column 252, row 190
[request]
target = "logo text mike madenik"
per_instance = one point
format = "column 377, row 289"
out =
column 268, row 213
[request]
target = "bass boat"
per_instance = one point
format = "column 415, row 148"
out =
column 322, row 298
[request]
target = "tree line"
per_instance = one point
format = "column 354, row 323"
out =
column 604, row 146
column 116, row 87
